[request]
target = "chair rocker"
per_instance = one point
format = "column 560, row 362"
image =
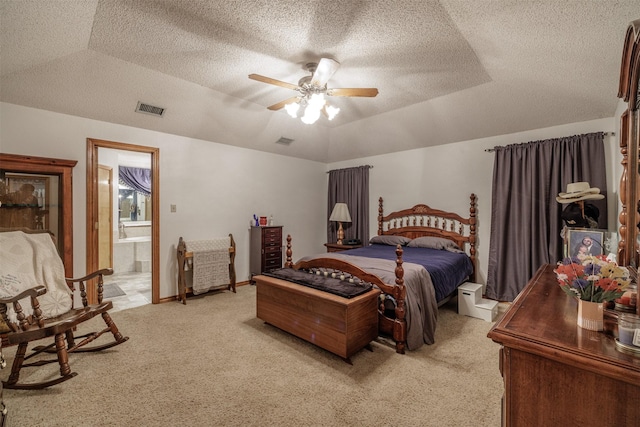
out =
column 25, row 328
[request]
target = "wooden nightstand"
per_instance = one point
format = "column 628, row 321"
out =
column 334, row 247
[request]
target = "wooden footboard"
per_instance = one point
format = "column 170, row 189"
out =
column 396, row 326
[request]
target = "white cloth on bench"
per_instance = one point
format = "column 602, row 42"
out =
column 210, row 263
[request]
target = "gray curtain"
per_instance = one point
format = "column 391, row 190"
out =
column 526, row 219
column 350, row 186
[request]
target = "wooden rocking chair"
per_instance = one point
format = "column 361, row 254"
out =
column 27, row 328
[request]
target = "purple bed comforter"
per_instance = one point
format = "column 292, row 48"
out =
column 447, row 269
column 427, row 274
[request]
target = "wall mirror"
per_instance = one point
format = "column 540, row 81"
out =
column 629, row 91
column 134, row 193
column 133, row 205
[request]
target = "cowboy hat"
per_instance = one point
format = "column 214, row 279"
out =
column 577, row 191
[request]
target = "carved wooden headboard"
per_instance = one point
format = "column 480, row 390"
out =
column 422, row 220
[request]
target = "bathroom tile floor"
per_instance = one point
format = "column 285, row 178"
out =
column 136, row 286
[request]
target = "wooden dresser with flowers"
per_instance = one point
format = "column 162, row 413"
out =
column 557, row 373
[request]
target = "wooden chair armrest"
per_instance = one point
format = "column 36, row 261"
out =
column 32, row 292
column 83, row 289
column 103, row 272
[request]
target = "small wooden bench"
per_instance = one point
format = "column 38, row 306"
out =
column 185, row 262
column 340, row 325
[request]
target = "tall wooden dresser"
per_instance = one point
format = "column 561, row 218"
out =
column 265, row 251
column 556, row 373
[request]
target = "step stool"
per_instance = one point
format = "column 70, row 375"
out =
column 471, row 303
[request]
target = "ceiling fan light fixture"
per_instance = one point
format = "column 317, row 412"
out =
column 311, row 115
column 331, row 111
column 292, row 109
column 312, row 90
column 315, row 104
column 317, row 101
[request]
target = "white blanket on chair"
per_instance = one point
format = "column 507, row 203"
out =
column 29, row 260
column 210, row 263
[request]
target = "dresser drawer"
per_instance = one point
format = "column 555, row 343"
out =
column 272, row 238
column 272, row 254
column 272, row 263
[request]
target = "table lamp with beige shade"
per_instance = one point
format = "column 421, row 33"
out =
column 340, row 214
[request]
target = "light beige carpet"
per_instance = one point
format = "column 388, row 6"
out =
column 213, row 363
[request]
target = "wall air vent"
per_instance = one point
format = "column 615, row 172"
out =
column 284, row 141
column 149, row 109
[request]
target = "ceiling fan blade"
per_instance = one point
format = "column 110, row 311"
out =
column 326, row 68
column 271, row 81
column 364, row 91
column 281, row 104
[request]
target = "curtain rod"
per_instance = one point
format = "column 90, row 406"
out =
column 491, row 150
column 363, row 166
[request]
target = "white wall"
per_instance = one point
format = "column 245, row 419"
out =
column 217, row 188
column 444, row 176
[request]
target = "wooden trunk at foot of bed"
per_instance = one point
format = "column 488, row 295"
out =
column 340, row 325
column 395, row 326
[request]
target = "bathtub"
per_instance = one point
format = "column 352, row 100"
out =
column 132, row 254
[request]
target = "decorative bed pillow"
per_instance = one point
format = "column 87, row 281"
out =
column 435, row 243
column 389, row 240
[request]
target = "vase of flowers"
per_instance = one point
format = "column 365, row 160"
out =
column 594, row 281
column 591, row 315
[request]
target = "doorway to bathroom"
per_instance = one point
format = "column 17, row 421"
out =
column 122, row 208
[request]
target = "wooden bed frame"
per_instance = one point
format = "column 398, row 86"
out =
column 421, row 221
column 418, row 221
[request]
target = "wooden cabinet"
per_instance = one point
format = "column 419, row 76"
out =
column 265, row 252
column 334, row 247
column 556, row 373
column 47, row 202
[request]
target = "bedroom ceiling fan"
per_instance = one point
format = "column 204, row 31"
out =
column 312, row 91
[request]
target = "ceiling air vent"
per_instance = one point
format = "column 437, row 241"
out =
column 149, row 109
column 284, row 141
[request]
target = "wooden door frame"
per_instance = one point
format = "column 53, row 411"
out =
column 92, row 208
column 111, row 184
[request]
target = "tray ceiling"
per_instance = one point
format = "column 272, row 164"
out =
column 447, row 71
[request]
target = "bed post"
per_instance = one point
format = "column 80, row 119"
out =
column 399, row 293
column 288, row 263
column 181, row 252
column 472, row 235
column 232, row 264
column 380, row 216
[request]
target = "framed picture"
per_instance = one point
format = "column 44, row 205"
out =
column 584, row 241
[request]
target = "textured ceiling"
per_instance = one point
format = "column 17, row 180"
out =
column 447, row 71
